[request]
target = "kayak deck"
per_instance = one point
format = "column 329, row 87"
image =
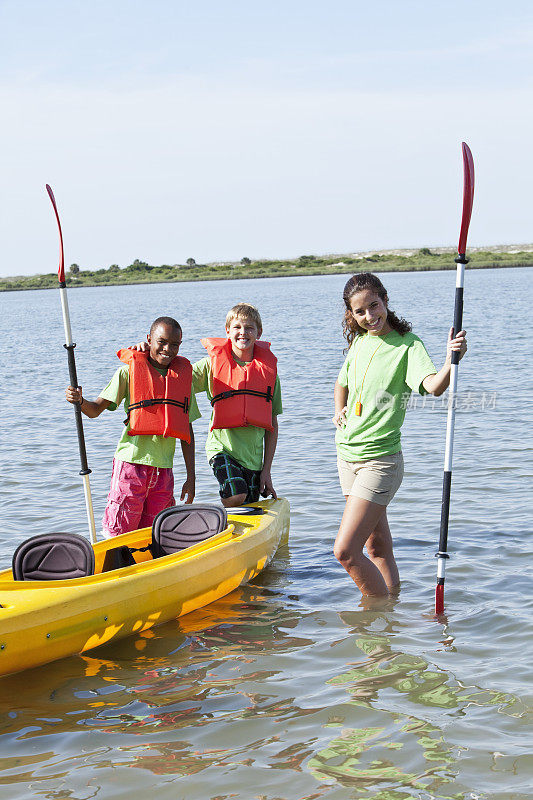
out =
column 41, row 621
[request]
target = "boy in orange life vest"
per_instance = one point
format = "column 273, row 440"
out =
column 142, row 482
column 240, row 378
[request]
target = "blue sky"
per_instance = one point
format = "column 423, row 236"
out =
column 216, row 130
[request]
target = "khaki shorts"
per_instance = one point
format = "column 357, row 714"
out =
column 376, row 480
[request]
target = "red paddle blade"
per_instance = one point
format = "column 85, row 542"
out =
column 439, row 599
column 61, row 270
column 468, row 197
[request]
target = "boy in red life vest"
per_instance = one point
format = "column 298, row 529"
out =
column 240, row 378
column 156, row 387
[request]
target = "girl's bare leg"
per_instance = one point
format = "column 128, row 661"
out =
column 363, row 521
column 380, row 553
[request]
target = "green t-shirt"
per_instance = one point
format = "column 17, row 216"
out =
column 380, row 373
column 244, row 444
column 155, row 451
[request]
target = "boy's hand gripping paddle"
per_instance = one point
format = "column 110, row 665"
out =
column 461, row 260
column 85, row 471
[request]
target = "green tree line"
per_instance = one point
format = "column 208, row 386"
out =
column 141, row 272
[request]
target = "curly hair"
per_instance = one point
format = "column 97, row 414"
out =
column 357, row 283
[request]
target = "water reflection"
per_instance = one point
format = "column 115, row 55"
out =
column 183, row 676
column 157, row 704
column 386, row 680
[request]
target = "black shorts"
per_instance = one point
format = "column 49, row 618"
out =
column 235, row 479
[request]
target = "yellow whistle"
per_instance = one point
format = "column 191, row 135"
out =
column 358, row 409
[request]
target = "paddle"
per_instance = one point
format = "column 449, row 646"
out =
column 85, row 471
column 461, row 260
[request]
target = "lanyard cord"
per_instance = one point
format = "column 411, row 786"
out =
column 358, row 406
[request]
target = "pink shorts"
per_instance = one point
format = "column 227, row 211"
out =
column 137, row 493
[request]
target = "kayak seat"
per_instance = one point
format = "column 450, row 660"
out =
column 179, row 527
column 53, row 557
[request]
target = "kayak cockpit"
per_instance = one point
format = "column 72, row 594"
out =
column 66, row 556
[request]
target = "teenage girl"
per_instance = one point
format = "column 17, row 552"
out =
column 385, row 363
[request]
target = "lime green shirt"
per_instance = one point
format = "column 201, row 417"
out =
column 155, row 451
column 380, row 372
column 244, row 444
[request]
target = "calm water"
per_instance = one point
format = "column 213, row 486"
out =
column 289, row 688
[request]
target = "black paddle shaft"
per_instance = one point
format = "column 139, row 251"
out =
column 77, row 410
column 458, row 310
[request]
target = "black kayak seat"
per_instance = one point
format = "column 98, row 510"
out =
column 53, row 557
column 178, row 527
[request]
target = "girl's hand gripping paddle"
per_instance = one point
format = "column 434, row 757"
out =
column 461, row 260
column 85, row 471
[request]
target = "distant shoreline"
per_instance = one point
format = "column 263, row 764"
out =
column 140, row 272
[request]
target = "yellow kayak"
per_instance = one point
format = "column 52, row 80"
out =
column 43, row 620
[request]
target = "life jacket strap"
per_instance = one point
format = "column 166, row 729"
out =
column 232, row 392
column 157, row 401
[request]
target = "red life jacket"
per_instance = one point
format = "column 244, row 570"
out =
column 159, row 404
column 242, row 395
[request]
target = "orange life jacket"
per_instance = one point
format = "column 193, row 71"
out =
column 242, row 395
column 159, row 404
